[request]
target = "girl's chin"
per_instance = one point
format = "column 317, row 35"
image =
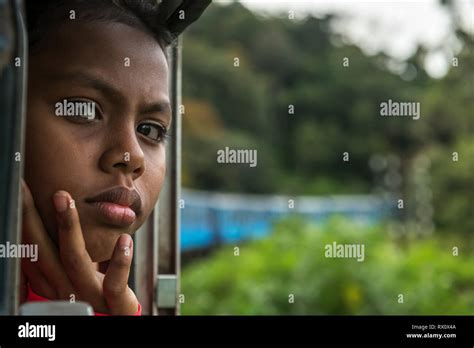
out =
column 101, row 244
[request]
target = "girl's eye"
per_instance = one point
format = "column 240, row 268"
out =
column 153, row 131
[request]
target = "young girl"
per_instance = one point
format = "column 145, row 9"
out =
column 97, row 114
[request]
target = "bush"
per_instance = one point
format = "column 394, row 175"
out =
column 291, row 261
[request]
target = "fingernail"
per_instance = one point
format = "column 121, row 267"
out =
column 60, row 202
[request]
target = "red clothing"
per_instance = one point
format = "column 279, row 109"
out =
column 33, row 297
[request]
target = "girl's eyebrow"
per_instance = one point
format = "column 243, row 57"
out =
column 162, row 107
column 89, row 80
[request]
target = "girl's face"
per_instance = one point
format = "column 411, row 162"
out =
column 123, row 72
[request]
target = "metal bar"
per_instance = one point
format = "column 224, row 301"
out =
column 19, row 132
column 145, row 263
column 13, row 80
column 6, row 53
column 169, row 212
column 167, row 285
column 56, row 308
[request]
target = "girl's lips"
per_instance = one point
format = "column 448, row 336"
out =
column 120, row 196
column 115, row 214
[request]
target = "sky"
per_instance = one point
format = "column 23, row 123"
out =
column 394, row 27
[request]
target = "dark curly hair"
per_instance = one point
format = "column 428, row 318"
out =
column 45, row 15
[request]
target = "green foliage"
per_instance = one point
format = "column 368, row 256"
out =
column 213, row 77
column 292, row 261
column 453, row 186
column 260, row 179
column 336, row 109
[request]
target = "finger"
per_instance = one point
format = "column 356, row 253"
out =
column 72, row 250
column 120, row 300
column 33, row 232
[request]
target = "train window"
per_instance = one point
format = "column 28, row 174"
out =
column 158, row 24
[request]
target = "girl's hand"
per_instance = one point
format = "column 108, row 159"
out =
column 69, row 272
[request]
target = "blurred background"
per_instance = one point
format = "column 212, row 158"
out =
column 302, row 83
